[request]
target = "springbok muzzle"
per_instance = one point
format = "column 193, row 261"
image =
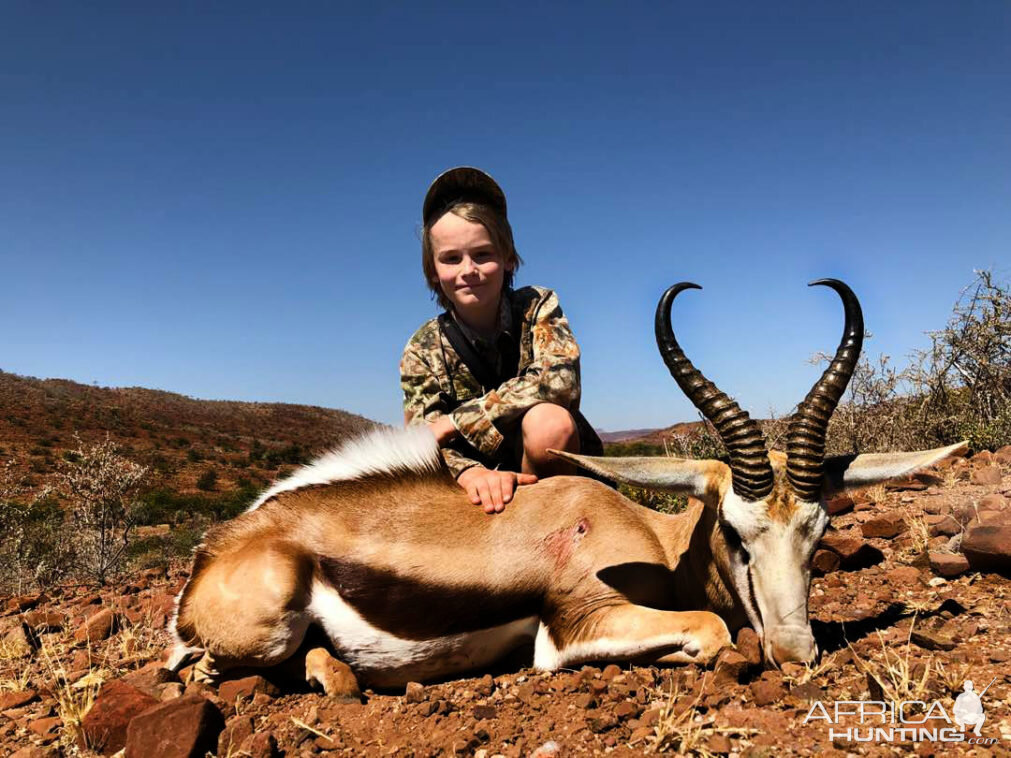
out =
column 790, row 643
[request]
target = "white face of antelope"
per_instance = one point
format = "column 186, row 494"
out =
column 769, row 547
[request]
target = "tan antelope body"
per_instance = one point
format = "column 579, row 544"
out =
column 377, row 546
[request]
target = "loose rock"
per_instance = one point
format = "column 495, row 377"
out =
column 182, row 728
column 887, row 526
column 105, row 725
column 988, row 548
column 99, row 627
column 986, row 476
column 948, row 564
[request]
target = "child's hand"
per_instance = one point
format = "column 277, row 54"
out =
column 492, row 489
column 443, row 430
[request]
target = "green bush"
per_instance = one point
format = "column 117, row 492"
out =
column 208, row 480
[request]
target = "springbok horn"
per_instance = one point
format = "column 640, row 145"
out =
column 805, row 446
column 749, row 460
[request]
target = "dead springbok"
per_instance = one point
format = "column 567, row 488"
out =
column 376, row 545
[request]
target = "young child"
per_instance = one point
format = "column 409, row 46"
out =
column 496, row 377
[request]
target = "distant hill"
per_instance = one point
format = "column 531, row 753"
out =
column 650, row 436
column 179, row 437
column 623, row 436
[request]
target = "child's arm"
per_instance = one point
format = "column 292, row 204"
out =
column 425, row 403
column 552, row 377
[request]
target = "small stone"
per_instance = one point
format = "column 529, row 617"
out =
column 415, row 692
column 942, row 525
column 626, row 709
column 904, row 575
column 245, row 688
column 767, row 691
column 36, row 751
column 485, row 712
column 824, row 562
column 650, row 717
column 104, row 727
column 237, row 729
column 993, row 502
column 98, row 627
column 549, row 749
column 853, row 552
column 151, row 678
column 602, row 723
column 485, row 686
column 428, row 708
column 948, row 564
column 931, row 641
column 10, row 700
column 839, row 504
column 719, row 744
column 886, row 526
column 750, row 646
column 610, row 671
column 808, row 692
column 45, row 726
column 170, row 691
column 24, row 602
column 44, row 621
column 260, row 745
column 986, row 476
column 181, row 728
column 730, row 667
column 988, row 548
column 907, row 484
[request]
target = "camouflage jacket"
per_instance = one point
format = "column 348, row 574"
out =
column 437, row 382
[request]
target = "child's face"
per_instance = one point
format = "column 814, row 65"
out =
column 469, row 268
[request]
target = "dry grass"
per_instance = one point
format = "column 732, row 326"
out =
column 893, row 672
column 73, row 700
column 12, row 649
column 141, row 642
column 952, row 676
column 687, row 731
column 919, row 532
column 15, row 680
column 811, row 671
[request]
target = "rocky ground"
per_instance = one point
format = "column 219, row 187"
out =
column 911, row 598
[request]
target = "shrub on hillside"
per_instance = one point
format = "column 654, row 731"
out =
column 208, row 480
column 101, row 488
column 959, row 388
column 33, row 537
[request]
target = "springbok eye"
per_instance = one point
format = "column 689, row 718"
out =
column 735, row 544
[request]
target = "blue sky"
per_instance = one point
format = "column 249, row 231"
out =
column 224, row 201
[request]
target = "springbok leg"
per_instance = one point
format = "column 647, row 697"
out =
column 334, row 676
column 633, row 632
column 247, row 610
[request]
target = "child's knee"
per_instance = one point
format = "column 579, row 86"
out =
column 548, row 426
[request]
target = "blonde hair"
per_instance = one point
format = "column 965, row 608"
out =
column 501, row 237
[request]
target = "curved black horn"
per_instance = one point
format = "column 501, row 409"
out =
column 749, row 460
column 805, row 446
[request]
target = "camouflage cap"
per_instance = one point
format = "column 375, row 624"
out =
column 462, row 183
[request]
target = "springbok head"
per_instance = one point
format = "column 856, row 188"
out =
column 770, row 506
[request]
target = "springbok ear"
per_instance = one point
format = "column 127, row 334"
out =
column 681, row 475
column 848, row 472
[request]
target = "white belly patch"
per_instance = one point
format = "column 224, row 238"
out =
column 385, row 660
